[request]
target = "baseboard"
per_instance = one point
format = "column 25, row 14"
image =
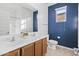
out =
column 65, row 47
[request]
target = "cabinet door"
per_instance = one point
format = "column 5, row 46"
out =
column 45, row 46
column 38, row 48
column 13, row 53
column 28, row 50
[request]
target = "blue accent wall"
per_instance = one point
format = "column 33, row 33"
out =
column 35, row 24
column 68, row 31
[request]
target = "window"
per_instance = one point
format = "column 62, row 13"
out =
column 23, row 24
column 61, row 14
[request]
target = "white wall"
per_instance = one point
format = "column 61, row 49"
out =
column 42, row 17
column 11, row 13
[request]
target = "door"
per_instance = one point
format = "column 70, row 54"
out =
column 45, row 46
column 28, row 50
column 38, row 48
column 35, row 21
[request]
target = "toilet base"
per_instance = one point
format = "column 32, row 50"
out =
column 53, row 46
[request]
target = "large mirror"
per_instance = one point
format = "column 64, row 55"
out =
column 16, row 18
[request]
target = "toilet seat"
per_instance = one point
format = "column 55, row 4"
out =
column 53, row 42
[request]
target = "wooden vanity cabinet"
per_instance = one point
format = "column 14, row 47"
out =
column 41, row 47
column 28, row 50
column 45, row 44
column 13, row 53
column 38, row 48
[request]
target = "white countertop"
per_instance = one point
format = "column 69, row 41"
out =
column 6, row 46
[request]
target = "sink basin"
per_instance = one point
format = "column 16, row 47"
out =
column 7, row 41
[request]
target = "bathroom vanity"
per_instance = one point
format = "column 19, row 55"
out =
column 33, row 46
column 18, row 19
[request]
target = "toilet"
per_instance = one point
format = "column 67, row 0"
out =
column 53, row 44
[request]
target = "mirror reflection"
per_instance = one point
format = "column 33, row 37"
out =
column 17, row 18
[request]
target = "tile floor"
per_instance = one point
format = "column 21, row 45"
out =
column 59, row 52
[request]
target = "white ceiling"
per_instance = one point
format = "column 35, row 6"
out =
column 49, row 4
column 31, row 6
column 27, row 5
